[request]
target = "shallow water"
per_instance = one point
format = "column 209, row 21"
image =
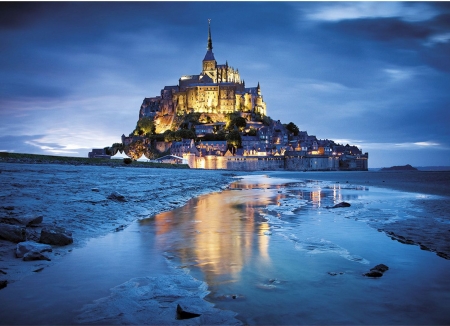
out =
column 287, row 259
column 268, row 248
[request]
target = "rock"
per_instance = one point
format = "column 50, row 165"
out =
column 33, row 255
column 373, row 273
column 56, row 236
column 341, row 204
column 3, row 284
column 3, row 272
column 95, row 189
column 117, row 197
column 182, row 314
column 377, row 271
column 27, row 220
column 38, row 270
column 12, row 233
column 26, row 247
column 8, row 208
column 381, row 267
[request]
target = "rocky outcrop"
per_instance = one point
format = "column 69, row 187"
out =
column 13, row 233
column 56, row 236
column 406, row 167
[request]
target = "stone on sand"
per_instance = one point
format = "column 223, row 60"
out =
column 56, row 236
column 12, row 233
column 117, row 197
column 30, row 247
column 33, row 255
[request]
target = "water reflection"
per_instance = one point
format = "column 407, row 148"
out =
column 220, row 233
column 217, row 233
column 225, row 240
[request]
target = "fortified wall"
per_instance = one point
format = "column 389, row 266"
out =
column 290, row 162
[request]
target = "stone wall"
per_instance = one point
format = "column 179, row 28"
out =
column 290, row 162
column 311, row 163
column 237, row 163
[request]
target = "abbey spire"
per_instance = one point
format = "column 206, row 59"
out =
column 209, row 47
column 209, row 56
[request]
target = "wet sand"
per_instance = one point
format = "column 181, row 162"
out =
column 430, row 229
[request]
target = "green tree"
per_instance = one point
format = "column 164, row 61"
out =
column 292, row 128
column 234, row 139
column 184, row 133
column 252, row 132
column 145, row 126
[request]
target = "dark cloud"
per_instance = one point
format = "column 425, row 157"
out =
column 382, row 29
column 15, row 15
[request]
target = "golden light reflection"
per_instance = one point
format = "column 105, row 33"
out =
column 316, row 197
column 218, row 232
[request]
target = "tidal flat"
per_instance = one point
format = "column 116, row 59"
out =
column 236, row 248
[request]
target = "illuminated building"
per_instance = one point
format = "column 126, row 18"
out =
column 218, row 89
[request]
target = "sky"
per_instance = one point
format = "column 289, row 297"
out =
column 73, row 75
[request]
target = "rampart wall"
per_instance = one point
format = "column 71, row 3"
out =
column 311, row 163
column 290, row 162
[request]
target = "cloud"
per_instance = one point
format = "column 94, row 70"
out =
column 339, row 11
column 383, row 29
column 419, row 145
column 399, row 75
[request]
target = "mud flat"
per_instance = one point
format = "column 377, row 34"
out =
column 88, row 202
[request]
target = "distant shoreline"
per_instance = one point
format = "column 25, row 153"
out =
column 7, row 157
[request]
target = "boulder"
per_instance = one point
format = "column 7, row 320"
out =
column 56, row 236
column 27, row 220
column 381, row 268
column 341, row 204
column 183, row 314
column 32, row 255
column 373, row 273
column 13, row 233
column 26, row 247
column 377, row 271
column 3, row 284
column 117, row 197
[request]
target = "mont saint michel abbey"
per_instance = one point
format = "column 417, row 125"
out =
column 213, row 121
column 217, row 89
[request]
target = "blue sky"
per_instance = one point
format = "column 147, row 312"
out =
column 373, row 74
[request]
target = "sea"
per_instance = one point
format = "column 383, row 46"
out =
column 271, row 249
